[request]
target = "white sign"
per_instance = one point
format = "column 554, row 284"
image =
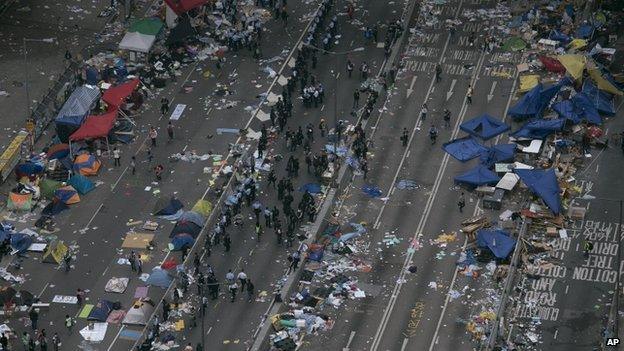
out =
column 177, row 113
column 65, row 299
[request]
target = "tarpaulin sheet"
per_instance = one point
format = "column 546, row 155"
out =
column 498, row 153
column 601, row 100
column 543, row 183
column 497, row 241
column 81, row 183
column 558, row 36
column 96, row 126
column 159, row 277
column 116, row 95
column 78, row 106
column 484, row 127
column 528, row 105
column 584, row 31
column 134, row 41
column 577, row 109
column 528, row 82
column 574, row 64
column 514, row 44
column 182, row 6
column 181, row 31
column 577, row 44
column 147, row 26
column 464, row 149
column 552, row 64
column 602, row 83
column 539, row 129
column 167, row 206
column 480, row 175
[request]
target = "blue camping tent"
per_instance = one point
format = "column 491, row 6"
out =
column 74, row 111
column 539, row 128
column 81, row 183
column 21, row 242
column 186, row 227
column 528, row 105
column 55, row 207
column 497, row 241
column 167, row 207
column 464, row 149
column 100, row 311
column 602, row 101
column 480, row 175
column 193, row 217
column 565, row 109
column 182, row 240
column 498, row 153
column 160, row 278
column 312, row 188
column 543, row 183
column 484, row 127
column 577, row 109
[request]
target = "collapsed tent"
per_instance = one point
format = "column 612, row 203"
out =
column 543, row 183
column 578, row 108
column 601, row 100
column 528, row 82
column 186, row 227
column 81, row 183
column 100, row 311
column 358, row 228
column 134, row 41
column 602, row 83
column 55, row 251
column 497, row 241
column 498, row 153
column 19, row 202
column 193, row 217
column 55, row 207
column 202, row 207
column 28, row 170
column 539, row 128
column 484, row 127
column 75, row 109
column 480, row 175
column 181, row 31
column 464, row 149
column 574, row 64
column 20, row 242
column 140, row 312
column 181, row 241
column 552, row 64
column 67, row 195
column 159, row 277
column 558, row 36
column 182, row 6
column 86, row 164
column 58, row 151
column 116, row 95
column 47, row 187
column 584, row 31
column 167, row 207
column 528, row 105
column 95, row 126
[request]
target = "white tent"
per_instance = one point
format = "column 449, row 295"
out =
column 140, row 312
column 136, row 41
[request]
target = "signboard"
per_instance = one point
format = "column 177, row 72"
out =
column 72, row 300
column 11, row 155
column 177, row 113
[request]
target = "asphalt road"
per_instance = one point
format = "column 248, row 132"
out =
column 408, row 313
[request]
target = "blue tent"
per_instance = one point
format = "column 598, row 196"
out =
column 28, row 169
column 565, row 109
column 100, row 311
column 186, row 227
column 21, row 242
column 497, row 241
column 528, row 105
column 464, row 149
column 193, row 217
column 543, row 183
column 55, row 207
column 312, row 188
column 4, row 235
column 602, row 101
column 160, row 278
column 584, row 31
column 81, row 183
column 372, row 190
column 484, row 127
column 498, row 153
column 558, row 36
column 182, row 240
column 480, row 175
column 539, row 128
column 167, row 207
column 547, row 94
column 74, row 111
column 577, row 109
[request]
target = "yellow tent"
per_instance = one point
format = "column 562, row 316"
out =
column 55, row 252
column 203, row 207
column 577, row 44
column 574, row 64
column 602, row 83
column 528, row 82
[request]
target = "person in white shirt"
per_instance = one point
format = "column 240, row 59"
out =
column 242, row 278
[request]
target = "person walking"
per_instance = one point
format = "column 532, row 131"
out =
column 67, row 261
column 227, row 242
column 423, row 112
column 170, row 130
column 461, row 203
column 250, row 290
column 133, row 165
column 356, row 98
column 4, row 342
column 116, row 157
column 80, row 294
column 350, row 67
column 242, row 278
column 447, row 118
column 469, row 95
column 322, row 127
column 404, row 137
column 233, row 289
column 433, row 134
column 587, row 247
column 153, row 133
column 438, row 73
column 69, row 323
column 295, row 257
column 164, row 106
column 34, row 318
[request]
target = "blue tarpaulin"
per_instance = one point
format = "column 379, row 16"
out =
column 21, row 242
column 543, row 183
column 464, row 149
column 312, row 188
column 358, row 228
column 602, row 101
column 159, row 277
column 558, row 36
column 100, row 311
column 166, row 207
column 498, row 153
column 584, row 31
column 81, row 183
column 577, row 109
column 77, row 106
column 484, row 127
column 528, row 105
column 182, row 240
column 371, row 190
column 539, row 128
column 480, row 175
column 497, row 241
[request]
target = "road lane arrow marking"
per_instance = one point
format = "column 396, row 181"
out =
column 411, row 88
column 491, row 94
column 450, row 92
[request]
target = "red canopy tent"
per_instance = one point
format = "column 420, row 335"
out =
column 552, row 64
column 182, row 6
column 96, row 126
column 116, row 95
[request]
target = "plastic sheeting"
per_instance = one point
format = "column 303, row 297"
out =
column 498, row 153
column 160, row 278
column 497, row 241
column 528, row 105
column 116, row 95
column 100, row 311
column 484, row 127
column 602, row 83
column 601, row 100
column 480, row 175
column 312, row 188
column 528, row 82
column 81, row 183
column 95, row 126
column 577, row 109
column 464, row 149
column 539, row 129
column 167, row 206
column 182, row 6
column 552, row 64
column 543, row 183
column 574, row 64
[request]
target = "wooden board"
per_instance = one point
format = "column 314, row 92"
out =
column 137, row 240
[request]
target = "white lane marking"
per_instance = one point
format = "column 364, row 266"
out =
column 346, row 348
column 106, row 270
column 118, row 179
column 43, row 290
column 404, row 344
column 410, row 90
column 490, row 96
column 117, row 337
column 93, row 217
column 450, row 92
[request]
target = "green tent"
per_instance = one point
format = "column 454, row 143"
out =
column 48, row 187
column 147, row 26
column 514, row 44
